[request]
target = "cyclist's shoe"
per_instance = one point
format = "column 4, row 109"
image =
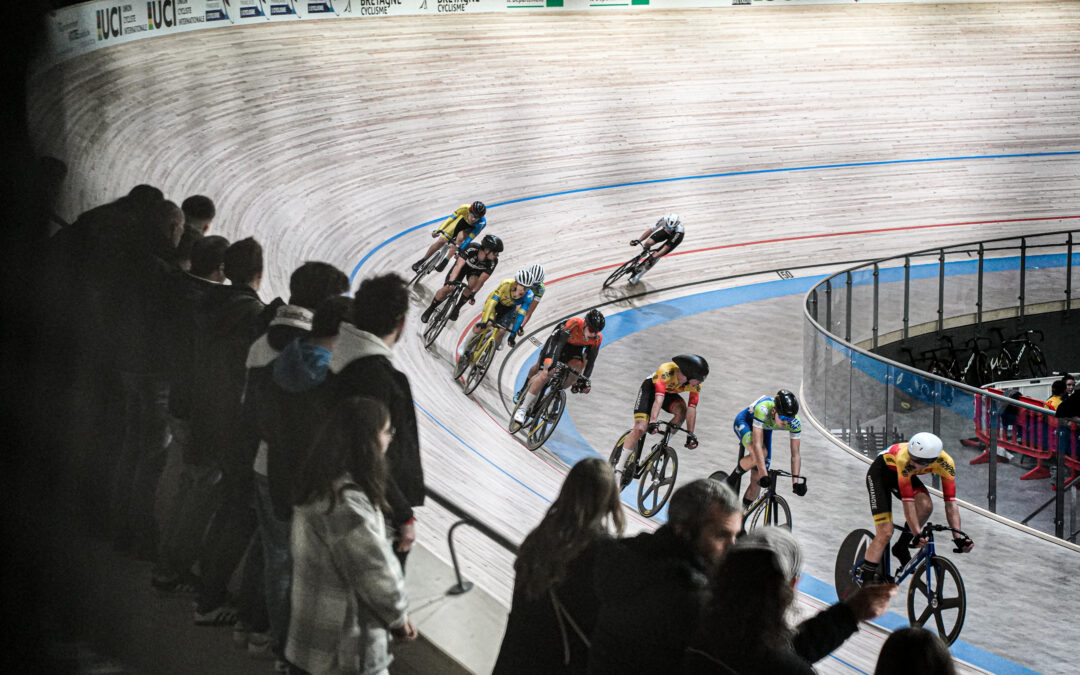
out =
column 870, row 574
column 901, row 553
column 635, row 278
column 426, row 316
column 518, row 394
column 512, row 340
column 417, row 265
column 442, row 265
column 453, row 313
column 519, row 415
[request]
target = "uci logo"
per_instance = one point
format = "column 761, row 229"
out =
column 160, row 13
column 109, row 23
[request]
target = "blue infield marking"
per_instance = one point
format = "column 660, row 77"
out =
column 728, row 174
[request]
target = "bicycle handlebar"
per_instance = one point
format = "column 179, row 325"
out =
column 930, row 528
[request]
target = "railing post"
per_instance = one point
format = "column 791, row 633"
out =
column 828, row 305
column 979, row 300
column 907, row 295
column 1062, row 432
column 1023, row 273
column 941, row 291
column 889, row 379
column 814, row 303
column 875, row 326
column 847, row 307
column 991, row 487
column 461, row 586
column 1068, row 272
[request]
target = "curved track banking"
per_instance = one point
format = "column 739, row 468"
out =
column 797, row 125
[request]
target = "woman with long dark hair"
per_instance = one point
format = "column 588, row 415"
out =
column 554, row 606
column 348, row 592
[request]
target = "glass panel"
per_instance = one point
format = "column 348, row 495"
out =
column 838, row 389
column 891, row 300
column 924, row 295
column 862, row 308
column 814, row 356
column 1045, row 280
column 868, row 390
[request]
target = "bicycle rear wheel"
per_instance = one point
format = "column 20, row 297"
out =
column 939, row 595
column 438, row 321
column 547, row 418
column 1036, row 362
column 613, row 460
column 476, row 374
column 852, row 553
column 773, row 512
column 657, row 482
column 620, row 271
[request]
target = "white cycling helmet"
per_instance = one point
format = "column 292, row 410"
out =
column 537, row 272
column 671, row 221
column 524, row 278
column 924, row 446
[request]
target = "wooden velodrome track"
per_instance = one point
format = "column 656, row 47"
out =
column 335, row 140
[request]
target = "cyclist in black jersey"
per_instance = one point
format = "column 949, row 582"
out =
column 668, row 231
column 475, row 264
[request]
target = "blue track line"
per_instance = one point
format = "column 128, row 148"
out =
column 727, row 174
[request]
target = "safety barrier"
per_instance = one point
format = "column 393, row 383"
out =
column 1027, row 432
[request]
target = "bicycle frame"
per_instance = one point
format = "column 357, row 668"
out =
column 770, row 503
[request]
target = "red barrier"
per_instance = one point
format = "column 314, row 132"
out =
column 1027, row 432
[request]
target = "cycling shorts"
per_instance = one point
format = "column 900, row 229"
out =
column 643, row 404
column 744, row 431
column 505, row 315
column 882, row 484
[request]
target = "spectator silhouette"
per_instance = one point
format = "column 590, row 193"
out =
column 914, row 651
column 555, row 604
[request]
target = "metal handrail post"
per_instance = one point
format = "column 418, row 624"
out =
column 907, row 296
column 874, row 329
column 979, row 300
column 1023, row 273
column 991, row 488
column 847, row 307
column 1062, row 432
column 941, row 291
column 1068, row 272
column 461, row 586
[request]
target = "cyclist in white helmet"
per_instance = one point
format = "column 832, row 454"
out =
column 896, row 471
column 538, row 288
column 668, row 231
column 507, row 304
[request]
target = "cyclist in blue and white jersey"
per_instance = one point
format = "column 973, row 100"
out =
column 753, row 427
column 669, row 231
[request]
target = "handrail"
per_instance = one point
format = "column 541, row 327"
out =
column 467, row 518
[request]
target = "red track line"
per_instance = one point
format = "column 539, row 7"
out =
column 831, row 234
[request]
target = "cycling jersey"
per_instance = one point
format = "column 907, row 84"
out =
column 459, row 222
column 660, row 235
column 761, row 412
column 666, row 380
column 503, row 297
column 474, row 267
column 898, row 460
column 568, row 342
column 538, row 291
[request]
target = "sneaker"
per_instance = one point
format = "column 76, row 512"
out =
column 178, row 585
column 442, row 265
column 453, row 313
column 222, row 615
column 426, row 316
column 260, row 646
column 417, row 265
column 240, row 635
column 519, row 415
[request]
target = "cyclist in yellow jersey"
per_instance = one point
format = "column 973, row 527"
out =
column 506, row 306
column 461, row 227
column 538, row 288
column 684, row 373
column 896, row 471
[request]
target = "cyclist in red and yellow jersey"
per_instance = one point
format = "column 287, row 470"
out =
column 574, row 342
column 684, row 373
column 896, row 471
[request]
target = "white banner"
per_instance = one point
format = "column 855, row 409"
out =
column 77, row 30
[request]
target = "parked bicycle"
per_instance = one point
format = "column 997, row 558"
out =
column 936, row 591
column 476, row 358
column 547, row 409
column 433, row 261
column 656, row 472
column 769, row 509
column 1019, row 356
column 630, row 267
column 442, row 313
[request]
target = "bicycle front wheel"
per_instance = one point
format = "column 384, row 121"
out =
column 938, row 593
column 483, row 361
column 1036, row 362
column 773, row 512
column 550, row 412
column 619, row 271
column 462, row 363
column 657, row 482
column 852, row 553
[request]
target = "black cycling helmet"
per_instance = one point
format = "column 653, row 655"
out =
column 478, row 209
column 785, row 403
column 492, row 243
column 595, row 320
column 692, row 366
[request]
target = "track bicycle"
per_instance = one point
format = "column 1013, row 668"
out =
column 442, row 313
column 656, row 472
column 1020, row 352
column 432, row 261
column 547, row 409
column 630, row 267
column 477, row 356
column 936, row 590
column 769, row 509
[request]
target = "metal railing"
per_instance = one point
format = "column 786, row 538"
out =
column 472, row 521
column 849, row 386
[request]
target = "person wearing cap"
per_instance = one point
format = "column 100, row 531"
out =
column 753, row 427
column 743, row 628
column 896, row 471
